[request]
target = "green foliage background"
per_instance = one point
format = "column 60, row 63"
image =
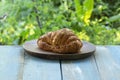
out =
column 96, row 21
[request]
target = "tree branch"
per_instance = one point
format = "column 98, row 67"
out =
column 3, row 17
column 37, row 18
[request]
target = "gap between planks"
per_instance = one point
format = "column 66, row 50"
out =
column 60, row 61
column 22, row 61
column 97, row 65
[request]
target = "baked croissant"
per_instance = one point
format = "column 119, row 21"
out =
column 60, row 41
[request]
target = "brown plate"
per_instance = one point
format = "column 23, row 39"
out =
column 31, row 48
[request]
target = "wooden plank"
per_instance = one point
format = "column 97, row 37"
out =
column 115, row 53
column 11, row 61
column 108, row 61
column 80, row 69
column 41, row 69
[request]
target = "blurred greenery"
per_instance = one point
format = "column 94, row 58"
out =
column 96, row 21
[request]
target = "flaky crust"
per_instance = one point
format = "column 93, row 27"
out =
column 60, row 41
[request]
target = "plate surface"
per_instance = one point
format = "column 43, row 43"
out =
column 31, row 48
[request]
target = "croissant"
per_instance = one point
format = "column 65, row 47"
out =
column 60, row 41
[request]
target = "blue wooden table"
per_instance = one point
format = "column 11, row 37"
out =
column 15, row 64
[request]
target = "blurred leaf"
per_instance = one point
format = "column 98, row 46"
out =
column 78, row 8
column 114, row 18
column 87, row 8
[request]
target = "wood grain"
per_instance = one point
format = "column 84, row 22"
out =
column 11, row 60
column 108, row 62
column 40, row 69
column 80, row 69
